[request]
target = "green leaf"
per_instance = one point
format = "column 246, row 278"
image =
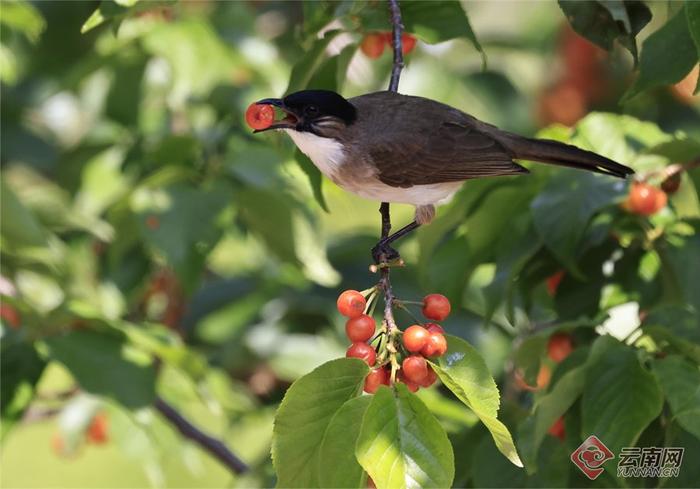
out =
column 338, row 466
column 24, row 17
column 692, row 11
column 315, row 177
column 401, row 444
column 180, row 222
column 683, row 255
column 18, row 226
column 465, row 373
column 269, row 215
column 310, row 63
column 680, row 381
column 667, row 56
column 620, row 398
column 305, row 413
column 20, row 369
column 547, row 410
column 438, row 21
column 604, row 22
column 102, row 364
column 564, row 207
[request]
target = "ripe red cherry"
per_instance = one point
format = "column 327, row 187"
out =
column 645, row 199
column 408, row 43
column 372, row 45
column 360, row 328
column 559, row 346
column 260, row 116
column 436, row 307
column 415, row 337
column 429, row 379
column 377, row 377
column 351, row 304
column 434, row 328
column 415, row 368
column 557, row 429
column 436, row 345
column 362, row 351
column 97, row 431
column 412, row 386
column 553, row 282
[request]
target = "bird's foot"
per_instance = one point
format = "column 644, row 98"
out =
column 384, row 255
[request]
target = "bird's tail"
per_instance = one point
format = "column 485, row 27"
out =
column 557, row 153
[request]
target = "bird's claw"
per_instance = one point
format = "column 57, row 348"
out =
column 383, row 254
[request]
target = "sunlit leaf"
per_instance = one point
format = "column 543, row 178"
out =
column 100, row 365
column 401, row 444
column 464, row 372
column 304, row 415
column 338, row 466
column 680, row 381
column 656, row 66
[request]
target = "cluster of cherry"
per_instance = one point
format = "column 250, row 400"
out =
column 418, row 342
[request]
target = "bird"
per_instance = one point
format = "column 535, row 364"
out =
column 398, row 148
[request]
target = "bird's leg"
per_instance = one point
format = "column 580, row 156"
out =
column 383, row 253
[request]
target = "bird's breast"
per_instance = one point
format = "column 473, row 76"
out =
column 326, row 153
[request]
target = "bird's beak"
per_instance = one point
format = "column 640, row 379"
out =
column 288, row 122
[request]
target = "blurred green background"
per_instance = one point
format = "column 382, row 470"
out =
column 141, row 218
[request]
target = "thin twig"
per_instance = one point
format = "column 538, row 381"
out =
column 398, row 48
column 212, row 445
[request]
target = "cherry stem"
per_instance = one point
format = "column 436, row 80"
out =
column 401, row 305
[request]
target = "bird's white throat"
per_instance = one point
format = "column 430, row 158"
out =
column 326, row 153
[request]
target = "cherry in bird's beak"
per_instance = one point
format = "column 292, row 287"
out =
column 288, row 122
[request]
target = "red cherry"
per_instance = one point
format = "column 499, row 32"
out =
column 376, row 377
column 408, row 43
column 360, row 328
column 152, row 222
column 351, row 304
column 559, row 346
column 436, row 345
column 436, row 307
column 434, row 328
column 372, row 45
column 429, row 379
column 415, row 337
column 553, row 282
column 645, row 199
column 10, row 315
column 415, row 368
column 260, row 116
column 412, row 386
column 362, row 351
column 97, row 431
column 557, row 429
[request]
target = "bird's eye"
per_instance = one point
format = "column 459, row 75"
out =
column 311, row 110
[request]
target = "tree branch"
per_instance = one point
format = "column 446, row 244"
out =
column 384, row 281
column 398, row 48
column 212, row 445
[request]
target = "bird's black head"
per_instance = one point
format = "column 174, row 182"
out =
column 321, row 112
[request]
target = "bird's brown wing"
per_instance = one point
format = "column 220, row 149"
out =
column 452, row 151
